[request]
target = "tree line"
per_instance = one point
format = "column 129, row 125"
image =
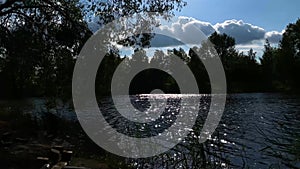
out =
column 40, row 41
column 277, row 70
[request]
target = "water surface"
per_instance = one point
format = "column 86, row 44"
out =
column 256, row 130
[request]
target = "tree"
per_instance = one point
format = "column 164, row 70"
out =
column 225, row 47
column 289, row 59
column 242, row 70
column 54, row 32
column 103, row 12
column 268, row 65
column 106, row 71
column 246, row 72
column 198, row 68
column 41, row 40
column 113, row 9
column 158, row 59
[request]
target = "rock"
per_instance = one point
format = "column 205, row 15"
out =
column 22, row 140
column 41, row 161
column 59, row 165
column 6, row 143
column 6, row 134
column 46, row 166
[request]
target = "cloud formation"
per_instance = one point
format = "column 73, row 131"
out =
column 185, row 28
column 244, row 33
column 274, row 36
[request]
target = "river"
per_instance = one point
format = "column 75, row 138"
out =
column 259, row 130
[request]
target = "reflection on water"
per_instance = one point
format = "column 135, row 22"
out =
column 256, row 131
column 264, row 129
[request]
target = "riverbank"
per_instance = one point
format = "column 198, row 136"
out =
column 23, row 138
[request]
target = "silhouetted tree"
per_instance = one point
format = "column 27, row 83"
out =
column 268, row 65
column 289, row 58
column 225, row 47
column 40, row 40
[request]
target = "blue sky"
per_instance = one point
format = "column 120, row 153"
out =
column 268, row 14
column 250, row 22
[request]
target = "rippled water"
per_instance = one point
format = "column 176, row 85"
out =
column 256, row 130
column 261, row 130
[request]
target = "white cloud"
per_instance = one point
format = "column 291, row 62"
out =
column 242, row 32
column 274, row 36
column 183, row 29
column 247, row 36
column 256, row 45
column 205, row 27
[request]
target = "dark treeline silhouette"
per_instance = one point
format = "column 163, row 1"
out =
column 39, row 42
column 281, row 66
column 276, row 71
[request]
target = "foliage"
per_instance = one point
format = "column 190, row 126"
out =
column 281, row 66
column 40, row 40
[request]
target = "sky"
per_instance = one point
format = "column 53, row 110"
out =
column 250, row 22
column 268, row 14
